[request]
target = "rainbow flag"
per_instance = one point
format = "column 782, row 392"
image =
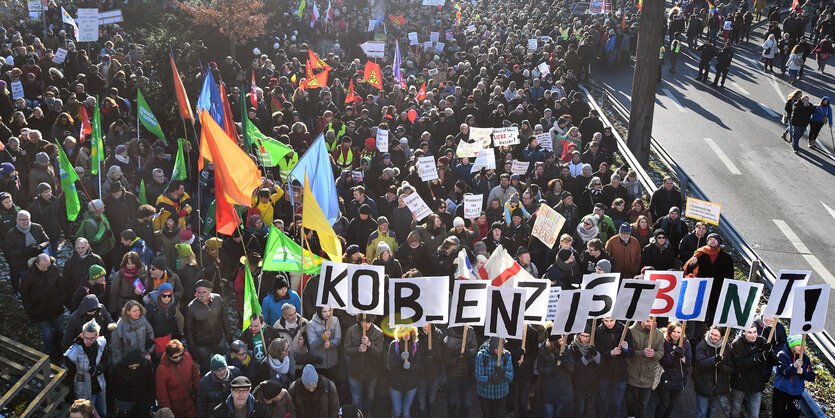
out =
column 711, row 8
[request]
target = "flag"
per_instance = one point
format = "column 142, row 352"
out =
column 180, row 91
column 317, row 81
column 351, row 97
column 143, row 198
column 149, row 121
column 253, row 93
column 641, row 4
column 500, row 269
column 623, row 22
column 240, row 177
column 457, row 18
column 373, row 75
column 316, row 162
column 457, row 6
column 710, row 6
column 284, row 254
column 210, row 101
column 293, row 79
column 248, row 146
column 228, row 121
column 86, row 128
column 271, row 151
column 226, row 219
column 397, row 61
column 313, row 218
column 315, row 16
column 795, row 4
column 179, row 172
column 398, row 20
column 313, row 61
column 301, row 9
column 328, row 13
column 66, row 18
column 68, row 178
column 464, row 269
column 421, row 94
column 251, row 305
column 97, row 152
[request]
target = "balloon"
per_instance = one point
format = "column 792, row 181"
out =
column 412, row 115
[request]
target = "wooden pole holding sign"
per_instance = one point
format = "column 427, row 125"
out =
column 771, row 333
column 430, row 336
column 464, row 340
column 682, row 337
column 501, row 351
column 593, row 329
column 623, row 334
column 524, row 339
column 330, row 320
column 802, row 346
column 725, row 342
column 651, row 331
column 364, row 318
column 562, row 348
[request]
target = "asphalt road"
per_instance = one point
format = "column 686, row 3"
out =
column 727, row 139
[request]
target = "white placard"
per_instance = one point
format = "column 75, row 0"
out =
column 468, row 303
column 505, row 312
column 479, row 139
column 505, row 136
column 413, row 38
column 667, row 296
column 486, row 159
column 809, row 309
column 693, row 298
column 383, row 140
column 737, row 304
column 434, row 2
column 333, row 285
column 366, row 289
column 449, row 35
column 417, row 301
column 435, row 37
column 532, row 44
column 604, row 288
column 376, row 49
column 35, row 9
column 544, row 140
column 536, row 301
column 418, row 207
column 17, row 89
column 471, row 28
column 432, row 71
column 88, row 25
column 727, row 25
column 427, row 169
column 439, row 47
column 782, row 294
column 544, row 68
column 427, row 45
column 634, row 301
column 548, row 224
column 371, row 24
column 572, row 312
column 472, row 205
column 111, row 16
column 357, row 175
column 553, row 298
column 703, row 210
column 520, row 167
column 60, row 56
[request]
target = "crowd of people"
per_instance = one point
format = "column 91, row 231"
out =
column 146, row 312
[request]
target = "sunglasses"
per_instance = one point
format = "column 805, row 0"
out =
column 166, row 296
column 175, row 357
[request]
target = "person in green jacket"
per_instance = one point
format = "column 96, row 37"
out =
column 96, row 229
column 640, row 369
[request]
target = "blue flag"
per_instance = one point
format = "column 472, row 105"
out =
column 317, row 163
column 210, row 99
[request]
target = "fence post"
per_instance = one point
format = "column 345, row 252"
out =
column 754, row 275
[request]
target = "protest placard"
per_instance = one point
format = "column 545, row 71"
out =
column 374, row 49
column 35, row 9
column 634, row 301
column 737, row 304
column 439, row 47
column 357, row 288
column 427, row 45
column 519, row 167
column 692, row 298
column 434, row 2
column 471, row 28
column 809, row 309
column 548, row 224
column 472, row 205
column 553, row 298
column 544, row 68
column 449, row 36
column 60, row 56
column 434, row 37
column 383, row 140
column 371, row 25
column 505, row 136
column 413, row 38
column 417, row 301
column 479, row 139
column 17, row 90
column 486, row 159
column 532, row 44
column 604, row 288
column 536, row 299
column 426, row 168
column 110, row 16
column 357, row 175
column 505, row 312
column 418, row 207
column 88, row 25
column 703, row 210
column 468, row 303
column 544, row 140
column 572, row 312
column 782, row 294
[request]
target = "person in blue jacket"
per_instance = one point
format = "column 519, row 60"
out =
column 493, row 379
column 794, row 369
column 822, row 115
column 281, row 294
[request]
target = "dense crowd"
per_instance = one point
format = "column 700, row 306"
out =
column 146, row 313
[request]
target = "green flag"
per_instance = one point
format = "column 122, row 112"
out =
column 251, row 305
column 149, row 121
column 301, row 8
column 68, row 179
column 211, row 217
column 143, row 198
column 245, row 123
column 271, row 152
column 97, row 150
column 179, row 172
column 284, row 254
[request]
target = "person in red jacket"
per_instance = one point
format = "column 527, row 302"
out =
column 177, row 379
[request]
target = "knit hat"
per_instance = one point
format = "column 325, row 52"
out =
column 382, row 246
column 133, row 356
column 218, row 362
column 160, row 263
column 352, row 249
column 166, row 288
column 120, row 149
column 605, row 265
column 496, row 225
column 95, row 272
column 42, row 158
column 479, row 246
column 241, row 382
column 309, row 376
column 270, row 389
column 382, row 220
column 517, row 212
column 203, row 283
column 44, row 187
column 214, row 243
column 658, row 232
column 522, row 250
column 365, row 209
column 281, row 283
column 717, row 236
column 7, row 168
column 592, row 220
column 183, row 249
column 186, row 235
column 625, row 228
column 564, row 254
column 457, row 221
column 794, row 340
column 675, row 209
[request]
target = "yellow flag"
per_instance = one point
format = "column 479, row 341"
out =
column 314, row 218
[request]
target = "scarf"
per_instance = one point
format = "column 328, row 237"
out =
column 712, row 253
column 129, row 274
column 30, row 240
column 279, row 367
column 123, row 160
column 161, row 280
column 711, row 343
column 584, row 348
column 594, row 192
column 587, row 234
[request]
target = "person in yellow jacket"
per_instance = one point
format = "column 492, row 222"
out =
column 382, row 234
column 175, row 203
column 265, row 202
column 286, row 165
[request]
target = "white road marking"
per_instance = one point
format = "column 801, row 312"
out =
column 804, row 251
column 777, row 88
column 722, row 156
column 769, row 111
column 673, row 98
column 828, row 209
column 739, row 88
column 819, row 268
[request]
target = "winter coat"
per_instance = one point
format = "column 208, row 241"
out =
column 626, row 257
column 323, row 402
column 802, row 114
column 40, row 292
column 164, row 322
column 76, row 269
column 586, row 370
column 376, row 237
column 226, row 409
column 293, row 336
column 325, row 358
column 431, row 360
column 271, row 305
column 134, row 386
column 81, row 373
column 640, row 368
column 269, row 334
column 206, row 322
column 131, row 334
column 48, row 214
column 404, row 373
column 675, row 372
column 122, row 289
column 709, row 378
column 823, row 114
column 787, row 380
column 659, row 257
column 566, row 276
column 364, row 365
column 265, row 371
column 392, row 267
column 359, row 230
column 662, row 200
column 613, row 368
column 212, row 391
column 689, row 244
column 172, row 279
column 719, row 270
column 283, row 408
column 769, row 48
column 409, row 258
column 486, row 366
column 458, row 365
column 554, row 385
column 79, row 317
column 17, row 252
column 175, row 385
column 752, row 363
column 432, row 238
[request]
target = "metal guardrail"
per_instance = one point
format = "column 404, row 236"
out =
column 823, row 340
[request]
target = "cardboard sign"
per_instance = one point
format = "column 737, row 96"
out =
column 553, row 299
column 737, row 304
column 604, row 288
column 60, row 56
column 432, row 71
column 383, row 140
column 532, row 44
column 505, row 312
column 439, row 47
column 635, row 298
column 809, row 309
column 544, row 140
column 505, row 136
column 486, row 159
column 544, row 68
column 427, row 45
column 427, row 170
column 17, row 89
column 703, row 210
column 413, row 38
column 667, row 296
column 111, row 16
column 693, row 298
column 357, row 175
column 355, row 288
column 547, row 225
column 435, row 37
column 418, row 207
column 88, row 25
column 572, row 312
column 469, row 302
column 782, row 294
column 418, row 301
column 472, row 205
column 479, row 139
column 375, row 49
column 448, row 35
column 520, row 167
column 536, row 299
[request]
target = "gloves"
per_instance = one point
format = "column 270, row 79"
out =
column 761, row 357
column 494, row 379
column 404, row 355
column 407, row 365
column 717, row 359
column 182, row 213
column 678, row 352
column 768, row 347
column 590, row 354
column 498, row 371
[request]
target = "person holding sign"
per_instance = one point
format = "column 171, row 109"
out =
column 752, row 358
column 325, row 335
column 586, row 370
column 493, row 374
column 364, row 354
column 430, row 376
column 677, row 362
column 615, row 345
column 459, row 349
column 404, row 361
column 649, row 343
column 554, row 367
column 523, row 357
column 711, row 375
column 794, row 369
column 764, row 326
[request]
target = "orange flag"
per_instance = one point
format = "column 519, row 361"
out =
column 225, row 217
column 373, row 75
column 421, row 94
column 398, row 20
column 239, row 174
column 86, row 128
column 316, row 61
column 317, row 81
column 350, row 97
column 180, row 90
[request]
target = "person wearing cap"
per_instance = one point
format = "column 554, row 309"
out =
column 658, row 254
column 711, row 261
column 206, row 327
column 314, row 395
column 605, row 224
column 279, row 295
column 381, row 234
column 364, row 347
column 625, row 251
column 240, row 402
column 496, row 237
column 40, row 172
column 211, row 261
column 215, row 385
column 163, row 315
column 794, row 369
column 274, row 399
column 361, row 227
column 664, row 199
column 96, row 228
column 641, row 367
column 493, row 374
column 93, row 284
column 674, row 226
column 46, row 210
column 175, row 203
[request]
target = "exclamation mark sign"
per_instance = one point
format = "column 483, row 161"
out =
column 812, row 296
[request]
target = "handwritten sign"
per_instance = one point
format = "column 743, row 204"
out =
column 60, row 56
column 17, row 90
column 439, row 47
column 472, row 205
column 357, row 175
column 427, row 45
column 548, row 225
column 485, row 159
column 544, row 68
column 703, row 210
column 413, row 38
column 448, row 35
column 376, row 49
column 553, row 298
column 383, row 140
column 435, row 37
column 520, row 167
column 88, row 25
column 532, row 44
column 544, row 140
column 418, row 207
column 505, row 136
column 427, row 169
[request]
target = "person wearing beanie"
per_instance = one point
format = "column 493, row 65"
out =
column 131, row 382
column 215, row 385
column 40, row 172
column 674, row 226
column 586, row 231
column 280, row 294
column 98, row 234
column 95, row 284
column 159, row 273
column 353, row 255
column 586, row 371
column 313, row 395
column 413, row 254
column 711, row 261
column 523, row 257
column 162, row 313
column 612, row 370
column 385, row 258
column 625, row 251
column 565, row 271
column 381, row 234
column 794, row 369
column 658, row 253
column 753, row 360
column 361, row 227
column 493, row 375
column 274, row 399
column 364, row 347
column 496, row 237
column 518, row 231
